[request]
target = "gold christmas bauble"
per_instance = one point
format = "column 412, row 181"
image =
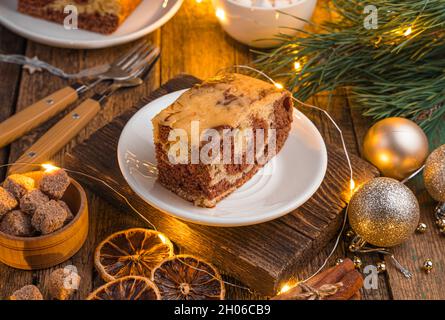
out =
column 384, row 212
column 396, row 146
column 381, row 266
column 421, row 228
column 428, row 265
column 434, row 174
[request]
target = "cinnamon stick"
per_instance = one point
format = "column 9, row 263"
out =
column 329, row 276
column 337, row 274
column 292, row 292
column 352, row 282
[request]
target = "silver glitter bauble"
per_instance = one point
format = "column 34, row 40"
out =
column 434, row 174
column 384, row 212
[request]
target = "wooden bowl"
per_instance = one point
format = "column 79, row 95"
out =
column 31, row 253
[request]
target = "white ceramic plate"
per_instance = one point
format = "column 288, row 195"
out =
column 147, row 17
column 284, row 184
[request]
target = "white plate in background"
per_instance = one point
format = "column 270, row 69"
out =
column 284, row 184
column 148, row 16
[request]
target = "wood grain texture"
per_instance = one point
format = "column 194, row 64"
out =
column 262, row 256
column 57, row 136
column 36, row 114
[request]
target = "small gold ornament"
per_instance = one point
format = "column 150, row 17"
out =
column 434, row 174
column 357, row 262
column 440, row 223
column 350, row 233
column 396, row 146
column 381, row 266
column 421, row 228
column 338, row 261
column 384, row 212
column 427, row 265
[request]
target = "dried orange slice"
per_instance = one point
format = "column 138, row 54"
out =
column 132, row 252
column 185, row 277
column 127, row 288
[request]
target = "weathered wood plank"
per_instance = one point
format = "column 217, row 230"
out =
column 194, row 43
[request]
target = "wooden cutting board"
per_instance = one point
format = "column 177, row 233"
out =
column 261, row 256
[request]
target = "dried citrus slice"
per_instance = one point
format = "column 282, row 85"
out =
column 127, row 288
column 132, row 252
column 184, row 277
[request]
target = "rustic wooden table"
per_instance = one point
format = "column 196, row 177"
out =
column 194, row 43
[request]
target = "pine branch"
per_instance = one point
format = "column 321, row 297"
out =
column 397, row 69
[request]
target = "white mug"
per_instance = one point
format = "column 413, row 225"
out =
column 256, row 25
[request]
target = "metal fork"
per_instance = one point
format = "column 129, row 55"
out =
column 39, row 112
column 67, row 128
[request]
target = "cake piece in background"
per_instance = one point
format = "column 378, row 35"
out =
column 233, row 105
column 103, row 16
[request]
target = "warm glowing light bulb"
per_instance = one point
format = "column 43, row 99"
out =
column 408, row 31
column 278, row 85
column 163, row 238
column 352, row 185
column 284, row 288
column 297, row 66
column 48, row 167
column 220, row 14
column 383, row 157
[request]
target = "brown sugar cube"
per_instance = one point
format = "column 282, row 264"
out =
column 16, row 223
column 18, row 185
column 29, row 292
column 7, row 201
column 32, row 200
column 64, row 282
column 55, row 183
column 69, row 213
column 49, row 217
column 36, row 176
